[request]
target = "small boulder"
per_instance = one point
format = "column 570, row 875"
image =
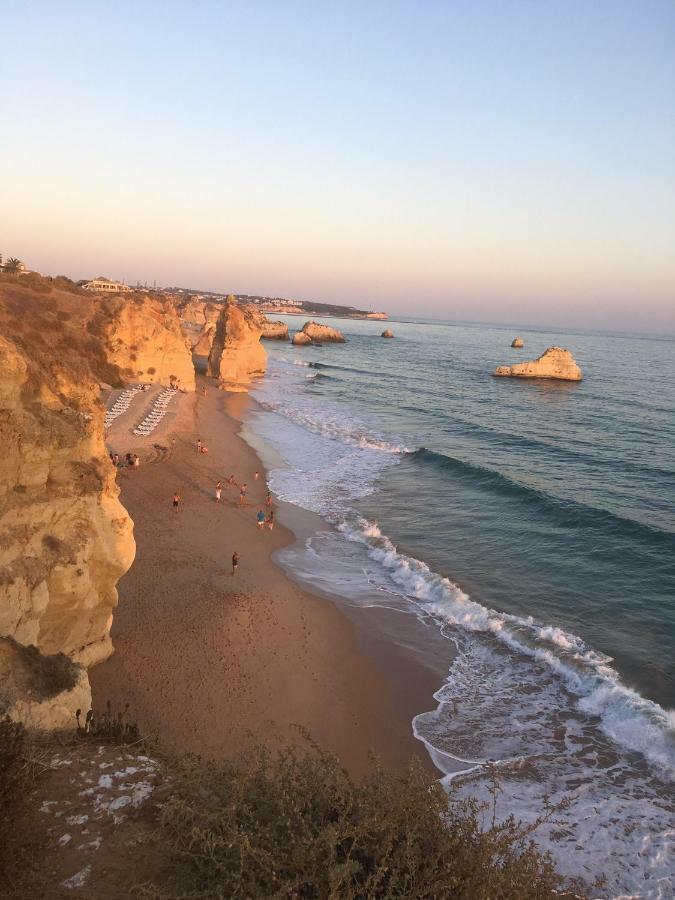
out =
column 518, row 342
column 555, row 362
column 300, row 339
column 323, row 333
column 388, row 333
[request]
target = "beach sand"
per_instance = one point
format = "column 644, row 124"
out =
column 216, row 664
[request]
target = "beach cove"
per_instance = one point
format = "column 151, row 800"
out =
column 215, row 664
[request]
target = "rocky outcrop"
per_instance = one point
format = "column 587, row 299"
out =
column 388, row 333
column 518, row 342
column 553, row 363
column 198, row 320
column 274, row 331
column 144, row 339
column 236, row 354
column 322, row 333
column 300, row 339
column 65, row 539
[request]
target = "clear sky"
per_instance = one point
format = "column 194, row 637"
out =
column 506, row 161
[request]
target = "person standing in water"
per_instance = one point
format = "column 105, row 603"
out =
column 235, row 561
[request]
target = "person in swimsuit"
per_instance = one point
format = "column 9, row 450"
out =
column 261, row 519
column 176, row 501
column 270, row 520
column 235, row 561
column 199, row 445
column 218, row 490
column 242, row 495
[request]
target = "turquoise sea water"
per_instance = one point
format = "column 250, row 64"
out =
column 534, row 522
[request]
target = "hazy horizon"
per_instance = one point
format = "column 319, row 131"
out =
column 481, row 162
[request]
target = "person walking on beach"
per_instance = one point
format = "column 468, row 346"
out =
column 268, row 498
column 235, row 562
column 261, row 519
column 218, row 490
column 256, row 476
column 176, row 501
column 199, row 445
column 204, row 390
column 242, row 495
column 270, row 520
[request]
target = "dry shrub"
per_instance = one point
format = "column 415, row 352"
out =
column 296, row 826
column 49, row 674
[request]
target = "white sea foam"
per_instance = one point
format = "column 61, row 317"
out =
column 628, row 718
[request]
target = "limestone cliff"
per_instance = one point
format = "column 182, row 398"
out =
column 198, row 320
column 553, row 363
column 144, row 339
column 274, row 331
column 65, row 539
column 236, row 353
column 321, row 333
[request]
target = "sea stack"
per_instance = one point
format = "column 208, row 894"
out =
column 388, row 333
column 300, row 339
column 555, row 362
column 323, row 333
column 236, row 354
column 274, row 331
column 518, row 342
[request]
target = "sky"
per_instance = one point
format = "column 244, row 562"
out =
column 490, row 160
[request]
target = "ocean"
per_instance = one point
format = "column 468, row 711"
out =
column 532, row 523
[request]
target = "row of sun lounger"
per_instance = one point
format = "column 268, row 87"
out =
column 121, row 404
column 156, row 414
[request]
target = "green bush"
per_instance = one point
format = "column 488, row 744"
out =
column 298, row 827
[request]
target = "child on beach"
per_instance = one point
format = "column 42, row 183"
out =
column 261, row 519
column 176, row 501
column 231, row 482
column 235, row 561
column 218, row 490
column 270, row 520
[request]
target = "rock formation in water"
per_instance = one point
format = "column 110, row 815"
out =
column 322, row 333
column 144, row 339
column 553, row 363
column 388, row 333
column 518, row 342
column 236, row 353
column 65, row 539
column 274, row 331
column 300, row 339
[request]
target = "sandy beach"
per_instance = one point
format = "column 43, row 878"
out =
column 215, row 664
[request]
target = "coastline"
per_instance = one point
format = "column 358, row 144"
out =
column 215, row 665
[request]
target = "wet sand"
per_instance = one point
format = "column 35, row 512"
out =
column 215, row 664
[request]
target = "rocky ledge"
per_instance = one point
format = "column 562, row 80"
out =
column 555, row 362
column 300, row 339
column 518, row 342
column 388, row 333
column 322, row 333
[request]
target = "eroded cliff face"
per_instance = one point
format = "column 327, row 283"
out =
column 236, row 354
column 145, row 340
column 65, row 539
column 198, row 320
column 556, row 363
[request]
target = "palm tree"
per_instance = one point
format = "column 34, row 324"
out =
column 13, row 265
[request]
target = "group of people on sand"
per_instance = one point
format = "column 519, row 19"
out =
column 131, row 460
